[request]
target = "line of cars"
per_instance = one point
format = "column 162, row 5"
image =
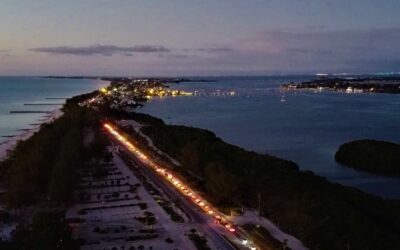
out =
column 180, row 186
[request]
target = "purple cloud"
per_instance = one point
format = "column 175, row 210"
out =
column 105, row 50
column 176, row 56
column 337, row 41
column 309, row 51
column 216, row 49
column 305, row 50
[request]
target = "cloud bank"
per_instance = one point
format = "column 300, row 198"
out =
column 216, row 49
column 104, row 50
column 274, row 51
column 312, row 50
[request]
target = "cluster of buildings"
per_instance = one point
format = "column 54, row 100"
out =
column 350, row 85
column 125, row 94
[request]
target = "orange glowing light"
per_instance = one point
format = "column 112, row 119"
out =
column 197, row 200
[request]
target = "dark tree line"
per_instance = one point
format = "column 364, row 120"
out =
column 43, row 171
column 321, row 214
column 47, row 231
column 44, row 167
column 46, row 163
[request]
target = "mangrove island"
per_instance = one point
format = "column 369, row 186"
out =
column 374, row 156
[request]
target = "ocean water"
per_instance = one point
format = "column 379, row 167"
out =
column 301, row 126
column 17, row 91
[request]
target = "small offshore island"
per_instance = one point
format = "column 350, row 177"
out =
column 73, row 169
column 390, row 85
column 374, row 156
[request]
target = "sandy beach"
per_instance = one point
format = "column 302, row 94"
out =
column 10, row 143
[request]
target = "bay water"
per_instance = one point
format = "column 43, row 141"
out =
column 303, row 126
column 252, row 112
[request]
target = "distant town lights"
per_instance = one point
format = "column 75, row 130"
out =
column 103, row 90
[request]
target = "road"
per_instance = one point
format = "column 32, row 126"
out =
column 217, row 233
column 195, row 214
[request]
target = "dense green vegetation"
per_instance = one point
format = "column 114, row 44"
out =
column 262, row 237
column 44, row 167
column 370, row 155
column 44, row 164
column 198, row 240
column 47, row 231
column 43, row 171
column 321, row 214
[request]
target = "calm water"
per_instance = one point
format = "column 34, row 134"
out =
column 307, row 128
column 16, row 91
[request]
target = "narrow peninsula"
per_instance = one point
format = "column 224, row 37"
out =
column 103, row 155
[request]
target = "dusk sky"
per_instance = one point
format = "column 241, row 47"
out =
column 204, row 37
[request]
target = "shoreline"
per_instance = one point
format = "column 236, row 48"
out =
column 323, row 164
column 296, row 191
column 380, row 85
column 10, row 143
column 24, row 130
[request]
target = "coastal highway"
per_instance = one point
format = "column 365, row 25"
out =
column 194, row 214
column 223, row 235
